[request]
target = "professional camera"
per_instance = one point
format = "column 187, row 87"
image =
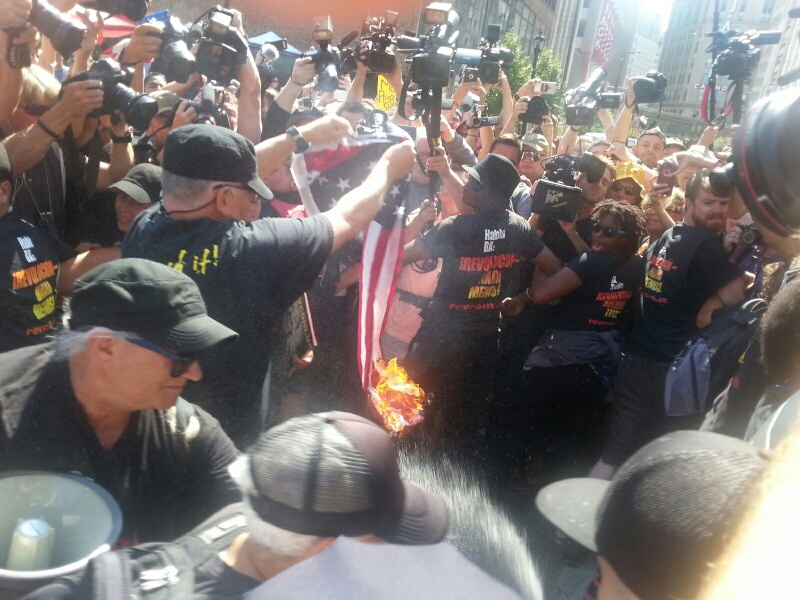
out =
column 379, row 35
column 583, row 102
column 489, row 57
column 135, row 10
column 650, row 88
column 221, row 47
column 556, row 196
column 736, row 52
column 433, row 53
column 137, row 108
column 537, row 109
column 64, row 34
column 176, row 61
column 209, row 112
column 327, row 60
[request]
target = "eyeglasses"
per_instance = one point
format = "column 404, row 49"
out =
column 628, row 189
column 34, row 110
column 608, row 232
column 238, row 187
column 534, row 156
column 180, row 362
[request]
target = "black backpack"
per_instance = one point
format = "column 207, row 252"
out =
column 705, row 366
column 153, row 571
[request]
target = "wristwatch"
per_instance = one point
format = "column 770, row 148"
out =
column 122, row 139
column 301, row 145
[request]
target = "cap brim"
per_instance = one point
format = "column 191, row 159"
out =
column 134, row 191
column 193, row 335
column 571, row 505
column 260, row 188
column 473, row 173
column 425, row 519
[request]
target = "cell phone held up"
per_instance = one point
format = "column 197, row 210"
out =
column 666, row 176
column 544, row 87
column 471, row 75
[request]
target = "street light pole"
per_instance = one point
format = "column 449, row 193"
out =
column 537, row 49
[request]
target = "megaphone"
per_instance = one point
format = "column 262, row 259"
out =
column 51, row 525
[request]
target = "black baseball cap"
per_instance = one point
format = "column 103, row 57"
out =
column 667, row 515
column 336, row 473
column 214, row 154
column 142, row 183
column 150, row 299
column 497, row 174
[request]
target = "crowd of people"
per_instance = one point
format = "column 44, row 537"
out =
column 180, row 328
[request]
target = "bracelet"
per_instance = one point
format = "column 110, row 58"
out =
column 47, row 130
column 122, row 139
column 298, row 84
column 527, row 294
column 575, row 129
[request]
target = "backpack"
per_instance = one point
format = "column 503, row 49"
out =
column 705, row 366
column 152, row 571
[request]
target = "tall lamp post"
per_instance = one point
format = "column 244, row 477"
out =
column 537, row 48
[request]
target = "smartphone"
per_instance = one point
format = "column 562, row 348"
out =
column 666, row 175
column 471, row 74
column 545, row 87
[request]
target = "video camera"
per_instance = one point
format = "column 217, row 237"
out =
column 556, row 196
column 489, row 57
column 433, row 53
column 479, row 118
column 650, row 88
column 64, row 34
column 736, row 52
column 379, row 35
column 137, row 108
column 583, row 102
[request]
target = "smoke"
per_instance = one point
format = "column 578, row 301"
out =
column 479, row 529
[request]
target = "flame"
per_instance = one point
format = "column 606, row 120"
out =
column 398, row 400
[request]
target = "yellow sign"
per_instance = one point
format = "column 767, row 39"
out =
column 386, row 99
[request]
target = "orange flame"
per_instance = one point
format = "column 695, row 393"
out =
column 398, row 400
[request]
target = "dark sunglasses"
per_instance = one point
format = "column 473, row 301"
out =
column 180, row 362
column 34, row 110
column 630, row 190
column 608, row 232
column 238, row 187
column 534, row 156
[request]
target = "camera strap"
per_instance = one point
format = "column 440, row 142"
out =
column 74, row 166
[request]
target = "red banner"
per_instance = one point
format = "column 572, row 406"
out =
column 605, row 34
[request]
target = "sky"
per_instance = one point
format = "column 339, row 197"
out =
column 660, row 6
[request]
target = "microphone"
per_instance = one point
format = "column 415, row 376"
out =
column 789, row 77
column 348, row 39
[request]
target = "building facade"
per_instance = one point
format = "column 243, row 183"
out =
column 780, row 59
column 684, row 57
column 646, row 47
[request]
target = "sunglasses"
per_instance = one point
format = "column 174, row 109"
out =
column 534, row 156
column 180, row 362
column 630, row 190
column 34, row 110
column 238, row 187
column 608, row 232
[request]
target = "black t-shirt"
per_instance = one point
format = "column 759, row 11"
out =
column 481, row 256
column 604, row 298
column 165, row 481
column 29, row 263
column 554, row 237
column 248, row 274
column 683, row 269
column 215, row 579
column 39, row 194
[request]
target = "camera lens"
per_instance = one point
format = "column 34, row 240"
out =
column 138, row 109
column 180, row 63
column 65, row 35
